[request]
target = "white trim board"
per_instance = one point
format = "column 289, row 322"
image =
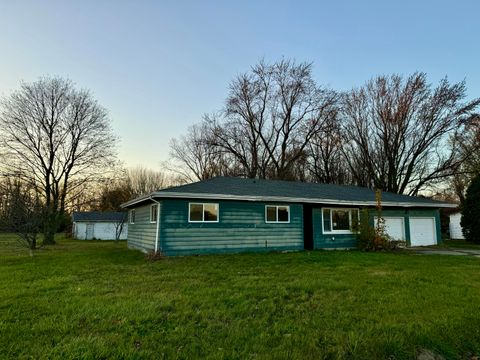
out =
column 276, row 214
column 179, row 195
column 217, row 207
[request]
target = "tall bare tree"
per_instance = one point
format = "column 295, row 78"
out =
column 400, row 131
column 272, row 113
column 195, row 156
column 56, row 138
column 141, row 180
column 468, row 143
column 325, row 155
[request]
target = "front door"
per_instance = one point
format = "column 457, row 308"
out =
column 307, row 227
column 89, row 234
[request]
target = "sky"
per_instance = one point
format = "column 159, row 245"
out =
column 158, row 66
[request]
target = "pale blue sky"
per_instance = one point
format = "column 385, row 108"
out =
column 157, row 66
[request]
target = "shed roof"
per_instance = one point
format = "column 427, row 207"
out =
column 232, row 188
column 97, row 216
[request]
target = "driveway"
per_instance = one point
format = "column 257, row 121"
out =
column 446, row 251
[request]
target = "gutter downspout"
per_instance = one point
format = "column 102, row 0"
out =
column 158, row 223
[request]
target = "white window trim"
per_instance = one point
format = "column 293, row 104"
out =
column 203, row 213
column 331, row 221
column 132, row 216
column 276, row 211
column 155, row 218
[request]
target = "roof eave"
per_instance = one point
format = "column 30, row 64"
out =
column 137, row 200
column 96, row 221
column 183, row 195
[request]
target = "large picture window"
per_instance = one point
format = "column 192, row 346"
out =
column 339, row 220
column 203, row 212
column 277, row 214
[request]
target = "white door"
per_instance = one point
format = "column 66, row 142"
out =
column 89, row 232
column 422, row 231
column 394, row 227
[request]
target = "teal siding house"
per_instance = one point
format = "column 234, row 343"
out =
column 227, row 215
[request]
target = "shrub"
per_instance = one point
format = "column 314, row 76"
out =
column 154, row 256
column 374, row 238
column 470, row 220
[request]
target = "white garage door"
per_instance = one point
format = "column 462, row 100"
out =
column 394, row 227
column 422, row 231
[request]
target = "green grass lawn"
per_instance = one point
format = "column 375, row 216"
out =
column 100, row 300
column 460, row 244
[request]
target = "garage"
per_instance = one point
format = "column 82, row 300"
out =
column 394, row 227
column 98, row 225
column 422, row 231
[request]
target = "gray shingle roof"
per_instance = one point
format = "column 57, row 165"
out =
column 104, row 216
column 231, row 188
column 290, row 189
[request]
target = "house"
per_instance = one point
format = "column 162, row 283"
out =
column 96, row 225
column 456, row 232
column 235, row 214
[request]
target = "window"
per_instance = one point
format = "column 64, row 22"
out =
column 153, row 213
column 203, row 212
column 277, row 214
column 132, row 216
column 339, row 220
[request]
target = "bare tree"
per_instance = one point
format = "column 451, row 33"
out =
column 22, row 212
column 86, row 197
column 399, row 132
column 237, row 129
column 468, row 146
column 56, row 138
column 325, row 154
column 113, row 197
column 119, row 225
column 140, row 181
column 272, row 114
column 196, row 157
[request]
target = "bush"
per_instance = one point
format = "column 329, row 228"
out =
column 470, row 220
column 374, row 238
column 154, row 256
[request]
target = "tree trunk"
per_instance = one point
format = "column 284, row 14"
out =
column 50, row 228
column 33, row 245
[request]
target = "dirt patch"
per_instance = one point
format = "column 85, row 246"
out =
column 425, row 354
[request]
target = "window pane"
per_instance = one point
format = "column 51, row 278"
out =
column 355, row 219
column 283, row 213
column 196, row 211
column 210, row 212
column 327, row 226
column 153, row 213
column 271, row 213
column 340, row 220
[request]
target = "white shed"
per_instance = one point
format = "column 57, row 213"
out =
column 455, row 227
column 96, row 225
